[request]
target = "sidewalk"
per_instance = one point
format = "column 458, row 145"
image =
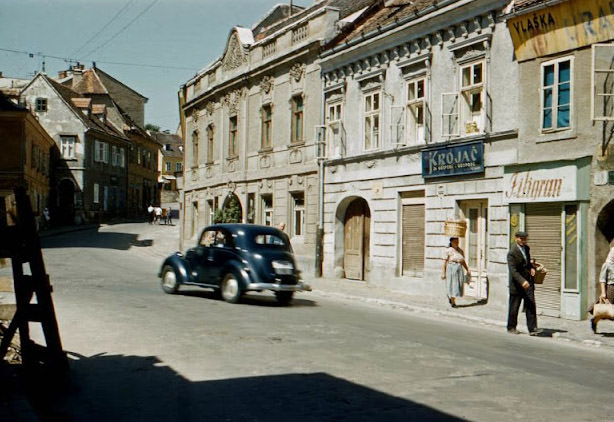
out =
column 557, row 329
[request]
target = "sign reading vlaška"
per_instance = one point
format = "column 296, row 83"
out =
column 564, row 26
column 453, row 160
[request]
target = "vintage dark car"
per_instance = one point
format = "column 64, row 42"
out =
column 236, row 258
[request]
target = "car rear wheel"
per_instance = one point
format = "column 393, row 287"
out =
column 231, row 290
column 169, row 280
column 284, row 298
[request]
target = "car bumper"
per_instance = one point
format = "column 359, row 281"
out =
column 279, row 287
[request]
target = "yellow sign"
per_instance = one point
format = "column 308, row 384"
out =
column 562, row 27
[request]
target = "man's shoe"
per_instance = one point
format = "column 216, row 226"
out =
column 593, row 325
column 513, row 331
column 536, row 332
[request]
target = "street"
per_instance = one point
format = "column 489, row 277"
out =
column 139, row 354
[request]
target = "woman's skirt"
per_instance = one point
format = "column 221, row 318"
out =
column 454, row 279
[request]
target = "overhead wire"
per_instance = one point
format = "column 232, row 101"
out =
column 119, row 12
column 123, row 28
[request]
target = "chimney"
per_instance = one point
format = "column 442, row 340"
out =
column 0, row 74
column 77, row 72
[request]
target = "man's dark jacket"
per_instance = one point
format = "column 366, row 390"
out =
column 519, row 269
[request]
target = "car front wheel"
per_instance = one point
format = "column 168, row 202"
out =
column 284, row 298
column 169, row 280
column 231, row 290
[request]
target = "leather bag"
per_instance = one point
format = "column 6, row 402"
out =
column 603, row 310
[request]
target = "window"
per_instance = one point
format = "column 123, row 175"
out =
column 556, row 95
column 101, row 152
column 114, row 156
column 167, row 147
column 178, row 166
column 602, row 100
column 96, row 197
column 415, row 112
column 122, row 157
column 169, row 166
column 472, row 94
column 298, row 214
column 40, row 104
column 336, row 144
column 211, row 214
column 232, row 136
column 371, row 120
column 195, row 149
column 267, row 210
column 266, row 118
column 210, row 138
column 67, row 147
column 139, row 158
column 297, row 119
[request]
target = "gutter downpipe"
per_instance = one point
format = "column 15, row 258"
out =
column 321, row 139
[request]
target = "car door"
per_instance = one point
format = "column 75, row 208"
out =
column 220, row 253
column 200, row 260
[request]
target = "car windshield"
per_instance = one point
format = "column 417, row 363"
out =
column 271, row 241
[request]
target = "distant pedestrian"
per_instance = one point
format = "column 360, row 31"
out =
column 158, row 214
column 150, row 213
column 521, row 285
column 606, row 285
column 164, row 216
column 453, row 264
column 169, row 215
column 282, row 226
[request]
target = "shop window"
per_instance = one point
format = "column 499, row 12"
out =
column 251, row 208
column 267, row 210
column 571, row 247
column 371, row 120
column 556, row 94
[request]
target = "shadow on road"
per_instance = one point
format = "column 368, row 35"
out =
column 252, row 299
column 95, row 239
column 129, row 388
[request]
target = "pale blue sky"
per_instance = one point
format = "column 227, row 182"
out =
column 184, row 34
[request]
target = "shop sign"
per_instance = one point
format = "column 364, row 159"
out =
column 542, row 185
column 453, row 160
column 562, row 27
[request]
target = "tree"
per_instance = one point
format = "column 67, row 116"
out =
column 151, row 127
column 230, row 213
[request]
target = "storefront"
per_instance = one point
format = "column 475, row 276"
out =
column 551, row 202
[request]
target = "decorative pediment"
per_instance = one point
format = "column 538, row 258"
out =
column 234, row 56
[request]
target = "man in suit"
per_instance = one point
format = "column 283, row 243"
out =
column 522, row 288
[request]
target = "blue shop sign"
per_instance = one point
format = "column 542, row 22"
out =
column 453, row 159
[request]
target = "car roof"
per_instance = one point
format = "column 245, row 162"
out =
column 246, row 228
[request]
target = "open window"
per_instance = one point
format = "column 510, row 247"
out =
column 602, row 82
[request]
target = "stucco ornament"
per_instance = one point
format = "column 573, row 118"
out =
column 234, row 54
column 296, row 71
column 210, row 107
column 266, row 84
column 231, row 100
column 195, row 115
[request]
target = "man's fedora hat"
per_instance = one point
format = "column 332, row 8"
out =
column 521, row 234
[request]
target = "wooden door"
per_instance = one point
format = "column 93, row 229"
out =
column 356, row 239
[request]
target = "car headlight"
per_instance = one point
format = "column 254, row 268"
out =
column 283, row 267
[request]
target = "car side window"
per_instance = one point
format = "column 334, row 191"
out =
column 208, row 238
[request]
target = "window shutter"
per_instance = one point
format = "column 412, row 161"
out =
column 488, row 111
column 105, row 152
column 428, row 123
column 449, row 114
column 397, row 125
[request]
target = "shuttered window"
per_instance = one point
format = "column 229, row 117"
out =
column 543, row 224
column 413, row 238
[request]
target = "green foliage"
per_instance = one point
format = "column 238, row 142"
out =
column 152, row 127
column 231, row 213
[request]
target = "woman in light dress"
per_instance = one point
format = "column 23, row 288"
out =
column 453, row 264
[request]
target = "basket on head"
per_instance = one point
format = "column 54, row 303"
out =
column 455, row 228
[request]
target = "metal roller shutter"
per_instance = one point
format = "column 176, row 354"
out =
column 413, row 237
column 543, row 224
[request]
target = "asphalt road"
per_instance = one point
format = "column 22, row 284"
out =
column 139, row 354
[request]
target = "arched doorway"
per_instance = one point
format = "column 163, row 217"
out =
column 66, row 209
column 356, row 237
column 231, row 211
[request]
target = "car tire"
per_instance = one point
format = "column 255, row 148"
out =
column 168, row 280
column 231, row 288
column 284, row 298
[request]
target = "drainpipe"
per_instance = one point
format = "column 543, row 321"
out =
column 321, row 140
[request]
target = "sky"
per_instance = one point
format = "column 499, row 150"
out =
column 153, row 46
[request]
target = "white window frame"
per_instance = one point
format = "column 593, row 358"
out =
column 67, row 147
column 450, row 113
column 555, row 91
column 371, row 114
column 41, row 104
column 468, row 117
column 335, row 129
column 169, row 166
column 267, row 210
column 595, row 89
column 122, row 157
column 99, row 151
column 298, row 214
column 178, row 166
column 416, row 133
column 114, row 156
